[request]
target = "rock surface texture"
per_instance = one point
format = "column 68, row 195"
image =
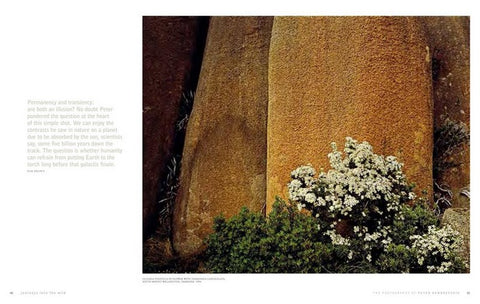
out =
column 168, row 46
column 449, row 43
column 224, row 159
column 364, row 77
column 459, row 219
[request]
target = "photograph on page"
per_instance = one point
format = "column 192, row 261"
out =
column 294, row 144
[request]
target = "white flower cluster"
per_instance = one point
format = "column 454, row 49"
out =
column 360, row 176
column 303, row 179
column 360, row 184
column 337, row 239
column 437, row 243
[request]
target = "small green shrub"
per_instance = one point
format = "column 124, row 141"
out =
column 412, row 220
column 395, row 259
column 285, row 241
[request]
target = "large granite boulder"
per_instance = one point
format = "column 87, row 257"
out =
column 224, row 158
column 332, row 77
column 168, row 46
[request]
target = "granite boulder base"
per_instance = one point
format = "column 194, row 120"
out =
column 224, row 158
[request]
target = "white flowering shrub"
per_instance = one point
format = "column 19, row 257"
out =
column 437, row 249
column 361, row 204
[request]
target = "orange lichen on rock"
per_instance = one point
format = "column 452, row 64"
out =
column 224, row 159
column 333, row 77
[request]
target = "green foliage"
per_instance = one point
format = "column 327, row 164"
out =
column 289, row 241
column 234, row 241
column 412, row 220
column 285, row 241
column 395, row 259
